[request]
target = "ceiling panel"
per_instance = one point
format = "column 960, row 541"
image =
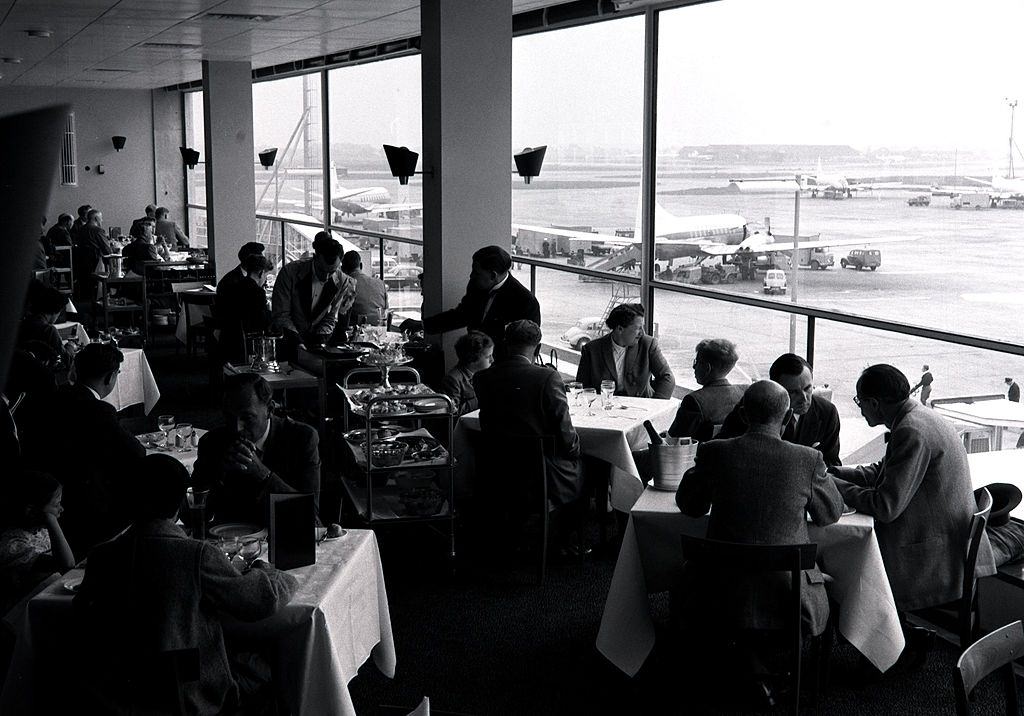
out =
column 109, row 33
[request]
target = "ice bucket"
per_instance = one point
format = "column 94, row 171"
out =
column 669, row 462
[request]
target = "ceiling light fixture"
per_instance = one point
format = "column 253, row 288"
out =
column 11, row 60
column 39, row 34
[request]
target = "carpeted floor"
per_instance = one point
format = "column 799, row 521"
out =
column 486, row 640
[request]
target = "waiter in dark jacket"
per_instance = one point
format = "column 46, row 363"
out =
column 815, row 421
column 493, row 299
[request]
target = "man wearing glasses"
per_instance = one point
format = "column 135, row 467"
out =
column 815, row 421
column 919, row 494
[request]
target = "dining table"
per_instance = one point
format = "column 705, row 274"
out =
column 651, row 560
column 610, row 435
column 997, row 413
column 337, row 619
column 185, row 457
column 135, row 383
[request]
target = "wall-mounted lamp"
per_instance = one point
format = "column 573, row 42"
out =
column 118, row 142
column 402, row 162
column 529, row 161
column 267, row 157
column 190, row 156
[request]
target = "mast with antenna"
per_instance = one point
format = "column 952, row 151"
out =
column 1013, row 106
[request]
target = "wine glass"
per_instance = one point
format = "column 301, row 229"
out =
column 574, row 387
column 607, row 391
column 589, row 396
column 183, row 431
column 231, row 546
column 166, row 424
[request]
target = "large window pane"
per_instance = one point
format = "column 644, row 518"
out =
column 580, row 92
column 743, row 111
column 197, row 235
column 286, row 115
column 371, row 105
column 842, row 351
column 195, row 138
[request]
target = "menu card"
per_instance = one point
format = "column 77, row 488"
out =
column 292, row 534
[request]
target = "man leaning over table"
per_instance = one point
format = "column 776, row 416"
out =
column 760, row 490
column 89, row 452
column 153, row 591
column 312, row 296
column 626, row 356
column 815, row 421
column 920, row 495
column 255, row 454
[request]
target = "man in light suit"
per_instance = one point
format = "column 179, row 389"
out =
column 920, row 493
column 518, row 397
column 626, row 356
column 759, row 488
column 709, row 405
column 312, row 295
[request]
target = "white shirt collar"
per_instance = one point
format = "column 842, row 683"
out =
column 94, row 393
column 500, row 283
column 259, row 443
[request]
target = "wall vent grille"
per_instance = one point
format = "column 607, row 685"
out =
column 69, row 154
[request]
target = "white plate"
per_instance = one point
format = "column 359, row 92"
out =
column 72, row 585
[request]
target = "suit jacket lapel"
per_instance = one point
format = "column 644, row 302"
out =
column 305, row 288
column 609, row 356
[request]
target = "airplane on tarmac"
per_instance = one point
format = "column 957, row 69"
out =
column 345, row 201
column 697, row 237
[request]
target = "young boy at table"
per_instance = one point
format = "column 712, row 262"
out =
column 153, row 591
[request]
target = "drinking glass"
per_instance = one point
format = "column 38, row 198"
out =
column 184, row 437
column 574, row 387
column 166, row 424
column 251, row 548
column 607, row 391
column 589, row 396
column 231, row 547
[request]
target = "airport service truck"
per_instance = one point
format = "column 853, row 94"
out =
column 817, row 259
column 972, row 200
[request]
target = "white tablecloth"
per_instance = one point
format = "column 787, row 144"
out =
column 336, row 620
column 612, row 436
column 135, row 383
column 188, row 459
column 650, row 560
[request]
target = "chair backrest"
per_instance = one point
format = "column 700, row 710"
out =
column 969, row 588
column 992, row 652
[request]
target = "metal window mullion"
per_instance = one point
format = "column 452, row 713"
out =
column 325, row 149
column 649, row 168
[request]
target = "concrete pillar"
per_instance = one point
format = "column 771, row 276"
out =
column 467, row 137
column 230, row 173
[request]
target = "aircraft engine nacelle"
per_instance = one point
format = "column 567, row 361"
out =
column 756, row 241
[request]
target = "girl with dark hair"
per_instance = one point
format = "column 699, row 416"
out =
column 32, row 543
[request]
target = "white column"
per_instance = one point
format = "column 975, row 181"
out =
column 467, row 137
column 230, row 157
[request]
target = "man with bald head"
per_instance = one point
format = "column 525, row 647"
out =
column 759, row 489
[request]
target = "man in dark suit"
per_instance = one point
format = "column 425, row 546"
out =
column 97, row 460
column 520, row 398
column 626, row 356
column 759, row 489
column 169, row 232
column 493, row 299
column 136, row 230
column 708, row 406
column 371, row 293
column 242, row 307
column 815, row 421
column 79, row 224
column 142, row 249
column 238, row 273
column 91, row 245
column 920, row 493
column 255, row 454
column 1012, row 390
column 312, row 297
column 58, row 235
column 154, row 590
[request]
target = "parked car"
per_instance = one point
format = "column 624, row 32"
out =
column 403, row 276
column 862, row 258
column 585, row 331
column 774, row 281
column 921, row 200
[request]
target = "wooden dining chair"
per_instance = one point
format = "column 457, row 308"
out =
column 993, row 652
column 958, row 622
column 714, row 557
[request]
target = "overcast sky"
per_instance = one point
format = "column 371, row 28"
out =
column 875, row 73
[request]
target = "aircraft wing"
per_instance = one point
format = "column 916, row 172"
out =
column 783, row 246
